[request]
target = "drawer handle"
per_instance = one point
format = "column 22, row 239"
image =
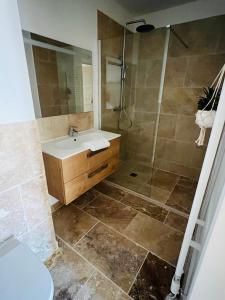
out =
column 100, row 169
column 93, row 153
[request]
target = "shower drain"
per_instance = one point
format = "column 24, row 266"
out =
column 133, row 174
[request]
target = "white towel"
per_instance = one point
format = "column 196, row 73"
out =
column 97, row 144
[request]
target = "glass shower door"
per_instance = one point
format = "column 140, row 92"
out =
column 144, row 65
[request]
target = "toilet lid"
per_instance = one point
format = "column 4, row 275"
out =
column 22, row 275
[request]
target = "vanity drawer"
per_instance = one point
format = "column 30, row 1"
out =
column 82, row 183
column 95, row 158
column 75, row 188
column 74, row 166
column 101, row 171
column 82, row 162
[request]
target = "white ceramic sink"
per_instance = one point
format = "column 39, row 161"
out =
column 69, row 143
column 67, row 146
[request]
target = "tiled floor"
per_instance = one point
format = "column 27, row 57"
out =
column 140, row 183
column 165, row 187
column 117, row 245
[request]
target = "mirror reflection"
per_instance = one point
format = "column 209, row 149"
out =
column 60, row 75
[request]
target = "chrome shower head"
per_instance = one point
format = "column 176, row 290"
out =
column 141, row 28
column 145, row 28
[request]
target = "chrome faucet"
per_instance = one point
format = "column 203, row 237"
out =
column 73, row 131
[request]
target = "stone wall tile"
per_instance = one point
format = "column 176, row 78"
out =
column 12, row 218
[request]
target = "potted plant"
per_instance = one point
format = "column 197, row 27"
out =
column 205, row 103
column 207, row 106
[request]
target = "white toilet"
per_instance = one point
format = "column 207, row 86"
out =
column 22, row 275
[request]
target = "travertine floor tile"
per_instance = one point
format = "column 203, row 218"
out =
column 145, row 207
column 117, row 257
column 109, row 190
column 184, row 181
column 176, row 221
column 155, row 236
column 159, row 194
column 99, row 287
column 111, row 212
column 181, row 198
column 153, row 280
column 164, row 180
column 71, row 223
column 138, row 184
column 86, row 198
column 69, row 274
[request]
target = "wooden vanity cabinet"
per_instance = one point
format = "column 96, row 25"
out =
column 69, row 178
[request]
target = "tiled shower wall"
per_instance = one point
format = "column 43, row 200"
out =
column 142, row 104
column 24, row 208
column 187, row 72
column 111, row 35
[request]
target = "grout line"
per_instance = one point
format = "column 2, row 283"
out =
column 38, row 175
column 134, row 242
column 138, row 212
column 178, row 230
column 130, row 206
column 163, row 259
column 183, row 214
column 168, row 225
column 172, row 191
column 119, row 201
column 135, row 277
column 86, row 233
column 91, row 264
column 113, row 229
column 85, row 285
column 74, row 201
column 27, row 227
column 166, row 217
column 155, row 202
column 34, row 227
column 148, row 199
column 119, row 233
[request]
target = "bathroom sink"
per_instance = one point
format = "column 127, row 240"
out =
column 77, row 141
column 67, row 146
column 69, row 143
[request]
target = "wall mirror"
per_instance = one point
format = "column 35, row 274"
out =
column 60, row 75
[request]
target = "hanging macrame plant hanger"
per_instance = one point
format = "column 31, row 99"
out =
column 205, row 117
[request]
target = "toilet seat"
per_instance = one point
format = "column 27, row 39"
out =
column 22, row 275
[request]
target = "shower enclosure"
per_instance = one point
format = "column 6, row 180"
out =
column 137, row 120
column 164, row 77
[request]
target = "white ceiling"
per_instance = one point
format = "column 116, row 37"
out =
column 138, row 7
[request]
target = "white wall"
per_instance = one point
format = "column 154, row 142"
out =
column 23, row 189
column 199, row 9
column 73, row 22
column 16, row 101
